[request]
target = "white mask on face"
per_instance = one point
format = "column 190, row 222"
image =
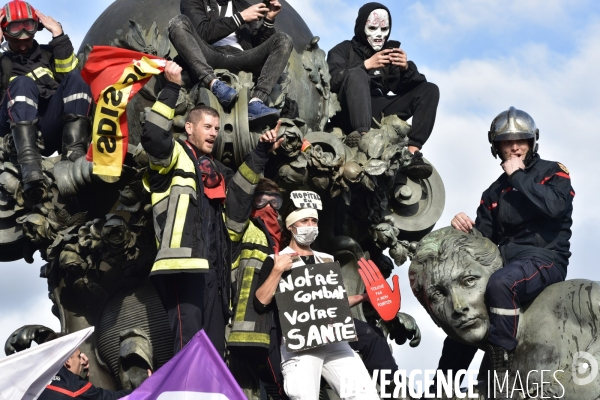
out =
column 377, row 28
column 305, row 235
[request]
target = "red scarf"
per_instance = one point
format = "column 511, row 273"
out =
column 268, row 215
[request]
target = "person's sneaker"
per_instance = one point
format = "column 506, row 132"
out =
column 259, row 114
column 224, row 93
column 417, row 168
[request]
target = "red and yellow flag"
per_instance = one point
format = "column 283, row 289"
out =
column 115, row 75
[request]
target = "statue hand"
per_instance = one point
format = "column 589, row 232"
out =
column 21, row 338
column 404, row 327
column 385, row 300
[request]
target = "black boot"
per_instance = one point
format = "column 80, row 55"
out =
column 75, row 136
column 29, row 159
column 417, row 168
column 502, row 361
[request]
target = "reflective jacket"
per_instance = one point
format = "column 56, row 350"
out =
column 67, row 385
column 47, row 65
column 251, row 245
column 528, row 214
column 177, row 195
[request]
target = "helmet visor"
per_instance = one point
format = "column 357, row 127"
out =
column 16, row 28
column 513, row 136
column 262, row 199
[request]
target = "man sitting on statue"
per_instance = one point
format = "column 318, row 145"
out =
column 527, row 213
column 366, row 69
column 192, row 270
column 236, row 36
column 43, row 91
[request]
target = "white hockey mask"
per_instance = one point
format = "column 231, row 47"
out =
column 377, row 28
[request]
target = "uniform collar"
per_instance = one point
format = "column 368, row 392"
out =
column 34, row 53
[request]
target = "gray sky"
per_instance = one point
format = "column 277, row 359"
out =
column 541, row 56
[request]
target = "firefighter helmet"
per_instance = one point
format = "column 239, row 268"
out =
column 513, row 124
column 19, row 20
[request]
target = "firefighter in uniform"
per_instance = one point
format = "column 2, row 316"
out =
column 527, row 213
column 43, row 91
column 192, row 269
column 68, row 383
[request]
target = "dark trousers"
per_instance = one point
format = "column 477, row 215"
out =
column 258, row 367
column 268, row 60
column 22, row 102
column 359, row 107
column 192, row 302
column 517, row 282
column 373, row 347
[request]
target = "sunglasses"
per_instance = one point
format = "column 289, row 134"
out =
column 261, row 199
column 16, row 28
column 210, row 176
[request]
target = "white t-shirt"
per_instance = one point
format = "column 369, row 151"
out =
column 232, row 39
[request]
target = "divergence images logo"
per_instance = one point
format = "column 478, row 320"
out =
column 585, row 368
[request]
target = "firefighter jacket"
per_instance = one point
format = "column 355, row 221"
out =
column 47, row 65
column 211, row 28
column 528, row 214
column 251, row 245
column 177, row 195
column 66, row 385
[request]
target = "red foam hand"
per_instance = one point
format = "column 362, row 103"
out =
column 383, row 298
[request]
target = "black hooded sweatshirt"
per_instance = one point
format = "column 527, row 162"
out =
column 353, row 53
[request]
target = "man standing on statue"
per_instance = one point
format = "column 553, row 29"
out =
column 237, row 36
column 366, row 69
column 192, row 269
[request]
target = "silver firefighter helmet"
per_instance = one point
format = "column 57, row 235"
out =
column 513, row 124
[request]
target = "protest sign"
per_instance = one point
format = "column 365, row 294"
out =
column 313, row 307
column 306, row 199
column 383, row 298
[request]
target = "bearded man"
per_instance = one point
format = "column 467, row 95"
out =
column 366, row 69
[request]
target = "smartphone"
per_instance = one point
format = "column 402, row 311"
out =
column 267, row 3
column 392, row 44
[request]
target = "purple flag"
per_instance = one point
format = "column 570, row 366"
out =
column 197, row 372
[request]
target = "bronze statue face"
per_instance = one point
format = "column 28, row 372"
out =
column 454, row 294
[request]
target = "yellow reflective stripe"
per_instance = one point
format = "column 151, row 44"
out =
column 187, row 165
column 176, row 181
column 259, row 255
column 163, row 110
column 180, row 264
column 66, row 65
column 37, row 73
column 249, row 337
column 244, row 294
column 236, row 263
column 234, row 236
column 250, row 175
column 182, row 207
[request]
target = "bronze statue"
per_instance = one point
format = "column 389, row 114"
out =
column 558, row 331
column 97, row 237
